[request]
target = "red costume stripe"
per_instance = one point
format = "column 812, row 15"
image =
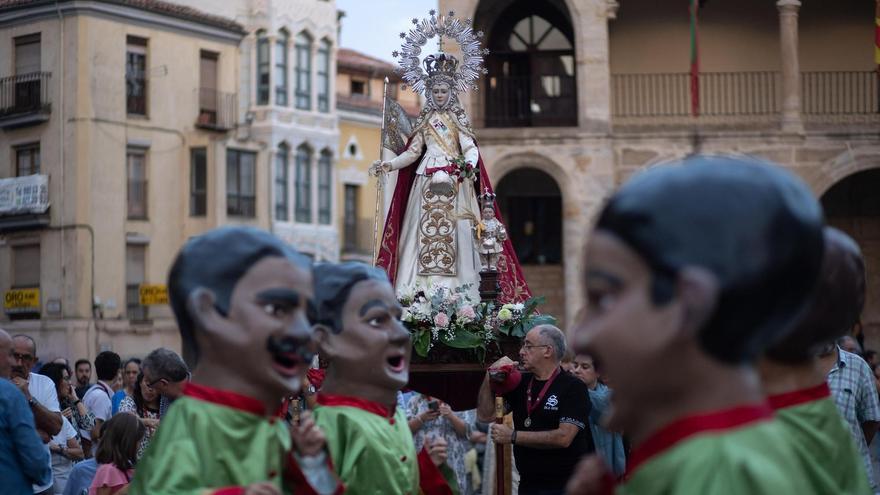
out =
column 788, row 399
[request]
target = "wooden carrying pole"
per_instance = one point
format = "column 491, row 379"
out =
column 499, row 450
column 380, row 177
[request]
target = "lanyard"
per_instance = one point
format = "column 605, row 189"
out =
column 531, row 406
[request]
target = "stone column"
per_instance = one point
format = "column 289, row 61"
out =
column 791, row 72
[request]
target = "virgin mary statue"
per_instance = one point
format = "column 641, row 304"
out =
column 435, row 212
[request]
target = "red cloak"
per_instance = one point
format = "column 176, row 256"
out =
column 510, row 278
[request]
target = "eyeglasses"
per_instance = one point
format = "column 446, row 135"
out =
column 22, row 357
column 529, row 347
column 153, row 383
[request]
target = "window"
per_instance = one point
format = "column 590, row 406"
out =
column 241, row 183
column 136, row 76
column 358, row 88
column 281, row 165
column 324, row 76
column 325, row 164
column 262, row 68
column 27, row 64
column 135, row 275
column 27, row 159
column 350, row 217
column 303, row 186
column 208, row 97
column 303, row 49
column 137, row 183
column 26, row 266
column 281, row 69
column 198, row 182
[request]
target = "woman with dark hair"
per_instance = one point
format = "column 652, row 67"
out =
column 117, row 454
column 131, row 369
column 143, row 403
column 64, row 446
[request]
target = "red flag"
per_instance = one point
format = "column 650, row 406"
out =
column 695, row 60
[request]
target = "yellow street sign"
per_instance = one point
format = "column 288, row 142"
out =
column 151, row 295
column 22, row 301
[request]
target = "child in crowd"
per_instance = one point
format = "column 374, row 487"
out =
column 117, row 454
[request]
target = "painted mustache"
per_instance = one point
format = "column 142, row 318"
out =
column 289, row 351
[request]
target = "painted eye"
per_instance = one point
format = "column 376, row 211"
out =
column 275, row 310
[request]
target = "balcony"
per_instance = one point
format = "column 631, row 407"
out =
column 531, row 101
column 24, row 100
column 217, row 110
column 738, row 99
column 24, row 202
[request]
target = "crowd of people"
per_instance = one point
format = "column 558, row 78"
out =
column 756, row 369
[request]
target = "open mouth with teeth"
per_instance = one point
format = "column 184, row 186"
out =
column 396, row 363
column 288, row 356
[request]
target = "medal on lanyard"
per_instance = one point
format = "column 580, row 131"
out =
column 531, row 406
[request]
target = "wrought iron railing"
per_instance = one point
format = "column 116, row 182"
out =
column 24, row 93
column 531, row 101
column 839, row 93
column 217, row 110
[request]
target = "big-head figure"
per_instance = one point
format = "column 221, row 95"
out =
column 241, row 298
column 692, row 270
column 359, row 333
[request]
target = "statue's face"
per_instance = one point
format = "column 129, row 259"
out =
column 440, row 94
column 266, row 337
column 373, row 349
column 488, row 213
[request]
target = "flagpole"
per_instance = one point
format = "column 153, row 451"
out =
column 380, row 177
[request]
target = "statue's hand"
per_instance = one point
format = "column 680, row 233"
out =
column 379, row 167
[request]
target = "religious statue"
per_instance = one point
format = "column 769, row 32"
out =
column 427, row 236
column 490, row 233
column 241, row 298
column 359, row 333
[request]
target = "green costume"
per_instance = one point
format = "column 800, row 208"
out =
column 735, row 451
column 216, row 442
column 821, row 441
column 373, row 451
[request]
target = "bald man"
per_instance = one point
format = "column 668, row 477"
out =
column 24, row 460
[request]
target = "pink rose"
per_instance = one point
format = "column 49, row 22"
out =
column 441, row 320
column 467, row 312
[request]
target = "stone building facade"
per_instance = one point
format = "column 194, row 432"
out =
column 582, row 94
column 120, row 138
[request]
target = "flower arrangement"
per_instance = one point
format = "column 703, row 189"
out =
column 440, row 317
column 464, row 169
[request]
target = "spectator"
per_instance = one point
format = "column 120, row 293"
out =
column 871, row 357
column 608, row 444
column 72, row 408
column 166, row 373
column 81, row 477
column 65, row 446
column 429, row 418
column 550, row 413
column 39, row 391
column 130, row 371
column 97, row 399
column 143, row 403
column 117, row 454
column 83, row 369
column 854, row 390
column 850, row 344
column 23, row 458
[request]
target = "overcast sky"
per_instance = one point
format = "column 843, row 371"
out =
column 373, row 26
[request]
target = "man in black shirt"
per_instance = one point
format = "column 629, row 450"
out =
column 550, row 412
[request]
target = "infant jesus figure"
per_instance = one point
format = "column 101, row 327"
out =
column 490, row 234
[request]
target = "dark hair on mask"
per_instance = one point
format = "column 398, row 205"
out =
column 751, row 224
column 836, row 304
column 333, row 284
column 216, row 261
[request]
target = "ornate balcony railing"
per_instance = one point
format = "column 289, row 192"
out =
column 217, row 110
column 839, row 93
column 531, row 101
column 24, row 99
